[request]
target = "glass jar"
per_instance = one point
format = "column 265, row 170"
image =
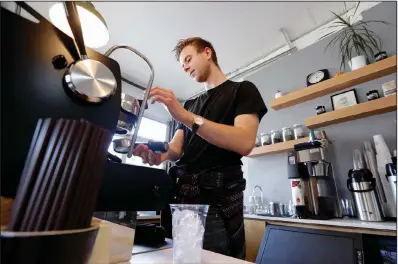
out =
column 265, row 139
column 298, row 131
column 287, row 134
column 258, row 142
column 276, row 136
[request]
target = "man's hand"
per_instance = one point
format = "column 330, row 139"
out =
column 148, row 156
column 173, row 154
column 168, row 98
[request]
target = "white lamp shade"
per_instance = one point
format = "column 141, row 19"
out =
column 95, row 32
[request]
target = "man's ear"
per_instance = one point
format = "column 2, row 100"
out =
column 208, row 53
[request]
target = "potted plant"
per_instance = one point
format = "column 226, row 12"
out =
column 357, row 43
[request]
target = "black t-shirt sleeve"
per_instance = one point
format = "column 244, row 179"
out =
column 249, row 100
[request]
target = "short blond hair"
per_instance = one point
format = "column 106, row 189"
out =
column 197, row 42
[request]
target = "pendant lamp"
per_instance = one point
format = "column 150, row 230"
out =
column 94, row 28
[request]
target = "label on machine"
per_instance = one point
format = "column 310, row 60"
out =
column 298, row 190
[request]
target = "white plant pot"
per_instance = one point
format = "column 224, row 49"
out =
column 357, row 62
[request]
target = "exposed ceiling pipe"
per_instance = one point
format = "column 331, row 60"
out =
column 241, row 73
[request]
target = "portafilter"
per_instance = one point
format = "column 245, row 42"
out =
column 122, row 145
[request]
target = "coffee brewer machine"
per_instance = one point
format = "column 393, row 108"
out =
column 313, row 187
column 41, row 77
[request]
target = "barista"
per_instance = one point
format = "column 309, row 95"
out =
column 213, row 132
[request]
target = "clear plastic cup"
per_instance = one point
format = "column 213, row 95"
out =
column 188, row 230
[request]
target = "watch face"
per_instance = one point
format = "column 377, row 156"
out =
column 198, row 120
column 316, row 77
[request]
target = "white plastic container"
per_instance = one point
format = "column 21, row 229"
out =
column 357, row 62
column 188, row 222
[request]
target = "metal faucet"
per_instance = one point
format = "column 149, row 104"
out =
column 260, row 205
column 257, row 187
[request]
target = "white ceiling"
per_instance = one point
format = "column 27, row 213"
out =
column 241, row 32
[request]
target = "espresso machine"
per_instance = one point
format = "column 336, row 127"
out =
column 41, row 77
column 312, row 182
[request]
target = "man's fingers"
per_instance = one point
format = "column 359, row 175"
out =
column 160, row 92
column 140, row 149
column 157, row 88
column 157, row 159
column 144, row 157
column 152, row 158
column 160, row 99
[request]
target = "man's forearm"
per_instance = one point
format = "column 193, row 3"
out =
column 232, row 138
column 173, row 154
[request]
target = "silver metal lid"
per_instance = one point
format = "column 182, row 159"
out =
column 90, row 80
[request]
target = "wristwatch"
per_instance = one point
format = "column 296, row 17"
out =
column 197, row 122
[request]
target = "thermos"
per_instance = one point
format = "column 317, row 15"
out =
column 391, row 169
column 362, row 185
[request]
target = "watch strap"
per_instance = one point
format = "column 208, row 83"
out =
column 195, row 128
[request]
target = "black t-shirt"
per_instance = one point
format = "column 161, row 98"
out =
column 221, row 105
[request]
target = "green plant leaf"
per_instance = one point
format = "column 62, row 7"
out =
column 324, row 36
column 333, row 26
column 372, row 37
column 356, row 8
column 345, row 52
column 345, row 41
column 341, row 19
column 373, row 21
column 334, row 40
column 363, row 45
column 348, row 52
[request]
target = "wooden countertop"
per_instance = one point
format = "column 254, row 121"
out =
column 388, row 228
column 166, row 256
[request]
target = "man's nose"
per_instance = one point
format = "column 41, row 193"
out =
column 186, row 68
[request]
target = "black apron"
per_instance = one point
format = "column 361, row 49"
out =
column 221, row 188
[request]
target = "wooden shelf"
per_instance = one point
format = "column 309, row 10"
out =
column 349, row 79
column 362, row 110
column 276, row 148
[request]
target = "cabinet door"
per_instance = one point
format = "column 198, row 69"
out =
column 254, row 232
column 293, row 245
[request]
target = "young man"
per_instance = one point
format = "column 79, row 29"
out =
column 214, row 131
